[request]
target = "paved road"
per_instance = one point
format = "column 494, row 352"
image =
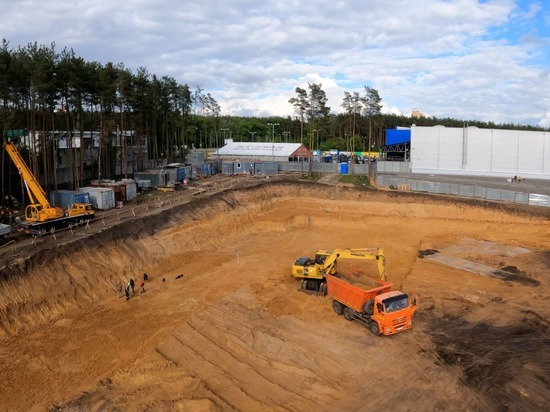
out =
column 537, row 186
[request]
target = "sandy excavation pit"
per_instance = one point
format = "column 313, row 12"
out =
column 234, row 333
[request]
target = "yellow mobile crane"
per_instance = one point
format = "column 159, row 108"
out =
column 40, row 216
column 313, row 272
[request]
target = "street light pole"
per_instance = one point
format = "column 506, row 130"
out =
column 273, row 138
column 224, row 130
column 194, row 130
column 317, row 131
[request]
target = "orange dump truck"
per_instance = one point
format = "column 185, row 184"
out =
column 383, row 311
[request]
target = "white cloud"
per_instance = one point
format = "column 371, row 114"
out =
column 466, row 59
column 545, row 122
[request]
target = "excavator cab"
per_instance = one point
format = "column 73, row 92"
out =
column 320, row 257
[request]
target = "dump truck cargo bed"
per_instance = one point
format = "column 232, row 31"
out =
column 354, row 296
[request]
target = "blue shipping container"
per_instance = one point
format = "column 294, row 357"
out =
column 181, row 174
column 65, row 198
column 213, row 168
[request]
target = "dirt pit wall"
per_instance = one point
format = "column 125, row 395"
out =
column 227, row 329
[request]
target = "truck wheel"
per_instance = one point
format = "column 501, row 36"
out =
column 369, row 307
column 348, row 313
column 374, row 329
column 338, row 307
column 323, row 288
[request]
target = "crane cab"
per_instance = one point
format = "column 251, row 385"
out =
column 38, row 213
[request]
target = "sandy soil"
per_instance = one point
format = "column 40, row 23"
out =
column 233, row 333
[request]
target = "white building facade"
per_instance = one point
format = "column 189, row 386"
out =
column 480, row 152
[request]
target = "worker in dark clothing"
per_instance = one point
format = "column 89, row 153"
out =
column 131, row 283
column 127, row 291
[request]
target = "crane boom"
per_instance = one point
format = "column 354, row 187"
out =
column 39, row 209
column 35, row 191
column 40, row 216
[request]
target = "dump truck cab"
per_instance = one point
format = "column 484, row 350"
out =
column 392, row 313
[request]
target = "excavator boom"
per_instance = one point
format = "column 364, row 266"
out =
column 360, row 254
column 314, row 272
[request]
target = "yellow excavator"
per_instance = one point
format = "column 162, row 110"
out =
column 40, row 216
column 312, row 272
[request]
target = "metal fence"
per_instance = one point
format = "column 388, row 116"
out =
column 323, row 167
column 393, row 167
column 464, row 190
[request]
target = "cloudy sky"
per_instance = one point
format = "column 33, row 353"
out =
column 486, row 60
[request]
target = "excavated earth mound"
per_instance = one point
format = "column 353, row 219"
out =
column 221, row 325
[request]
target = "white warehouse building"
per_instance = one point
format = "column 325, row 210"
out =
column 264, row 151
column 480, row 152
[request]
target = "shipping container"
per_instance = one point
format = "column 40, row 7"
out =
column 131, row 190
column 120, row 191
column 65, row 198
column 102, row 198
column 266, row 168
column 144, row 184
column 214, row 167
column 195, row 158
column 172, row 174
column 227, row 168
column 181, row 174
column 188, row 172
column 156, row 177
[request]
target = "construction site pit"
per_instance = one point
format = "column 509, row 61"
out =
column 221, row 325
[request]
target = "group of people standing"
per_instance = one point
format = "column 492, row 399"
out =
column 130, row 286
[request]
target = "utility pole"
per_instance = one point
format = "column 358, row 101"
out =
column 273, row 139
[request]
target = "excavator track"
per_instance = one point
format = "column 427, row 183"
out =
column 315, row 288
